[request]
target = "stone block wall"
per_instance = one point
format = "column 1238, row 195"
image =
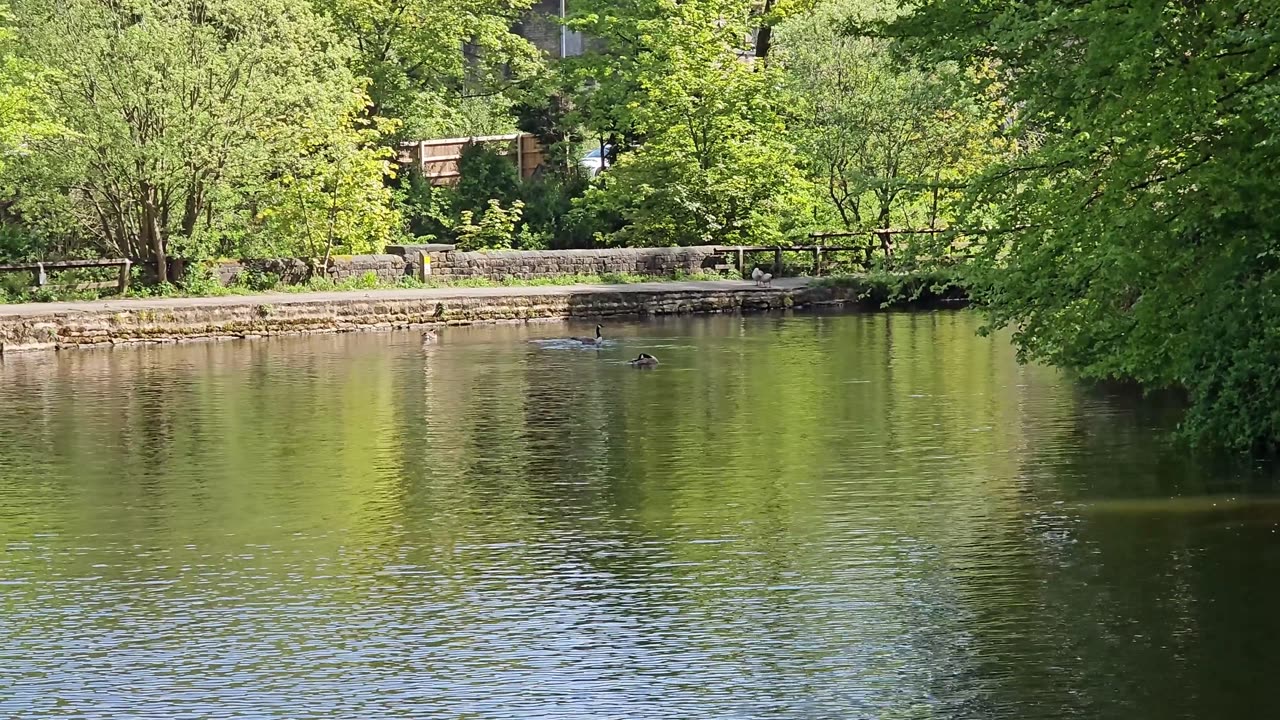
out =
column 527, row 265
column 173, row 320
column 447, row 263
column 388, row 268
column 292, row 271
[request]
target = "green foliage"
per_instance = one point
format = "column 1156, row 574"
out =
column 485, row 176
column 14, row 286
column 546, row 113
column 367, row 280
column 901, row 289
column 19, row 243
column 1136, row 237
column 714, row 165
column 493, row 230
column 427, row 210
column 26, row 113
column 424, row 56
column 889, row 146
column 179, row 114
column 549, row 219
column 202, row 281
column 545, row 216
column 330, row 197
column 257, row 280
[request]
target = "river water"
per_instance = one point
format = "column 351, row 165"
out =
column 819, row 516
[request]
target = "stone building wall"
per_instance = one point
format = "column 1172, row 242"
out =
column 539, row 27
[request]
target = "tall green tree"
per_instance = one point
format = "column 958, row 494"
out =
column 25, row 112
column 710, row 161
column 328, row 196
column 176, row 109
column 887, row 145
column 1138, row 236
column 436, row 65
column 26, row 118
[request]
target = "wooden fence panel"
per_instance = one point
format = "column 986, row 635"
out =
column 437, row 160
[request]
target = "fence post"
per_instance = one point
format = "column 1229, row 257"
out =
column 124, row 276
column 817, row 260
column 42, row 279
column 424, row 265
column 777, row 262
column 742, row 267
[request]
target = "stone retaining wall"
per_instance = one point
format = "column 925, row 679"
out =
column 167, row 321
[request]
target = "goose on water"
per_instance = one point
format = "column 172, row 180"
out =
column 430, row 337
column 644, row 360
column 597, row 340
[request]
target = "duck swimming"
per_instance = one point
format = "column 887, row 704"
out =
column 644, row 360
column 430, row 337
column 597, row 340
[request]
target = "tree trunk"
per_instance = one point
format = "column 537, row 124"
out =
column 933, row 211
column 886, row 239
column 158, row 249
column 191, row 212
column 152, row 236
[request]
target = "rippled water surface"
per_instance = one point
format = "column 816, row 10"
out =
column 854, row 516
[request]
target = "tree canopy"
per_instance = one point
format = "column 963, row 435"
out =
column 433, row 63
column 889, row 146
column 700, row 130
column 178, row 113
column 1135, row 237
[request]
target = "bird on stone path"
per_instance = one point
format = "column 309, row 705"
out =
column 762, row 278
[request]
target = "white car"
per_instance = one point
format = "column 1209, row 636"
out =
column 593, row 161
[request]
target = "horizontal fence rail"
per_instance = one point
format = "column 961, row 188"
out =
column 42, row 270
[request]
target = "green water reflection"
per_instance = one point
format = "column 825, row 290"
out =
column 878, row 516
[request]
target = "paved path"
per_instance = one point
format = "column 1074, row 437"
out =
column 34, row 309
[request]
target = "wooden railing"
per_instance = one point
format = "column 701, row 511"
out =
column 42, row 271
column 740, row 252
column 818, row 249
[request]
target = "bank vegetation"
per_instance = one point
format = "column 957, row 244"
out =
column 1097, row 176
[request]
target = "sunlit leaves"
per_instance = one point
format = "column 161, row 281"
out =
column 888, row 145
column 426, row 57
column 711, row 163
column 180, row 112
column 1144, row 211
